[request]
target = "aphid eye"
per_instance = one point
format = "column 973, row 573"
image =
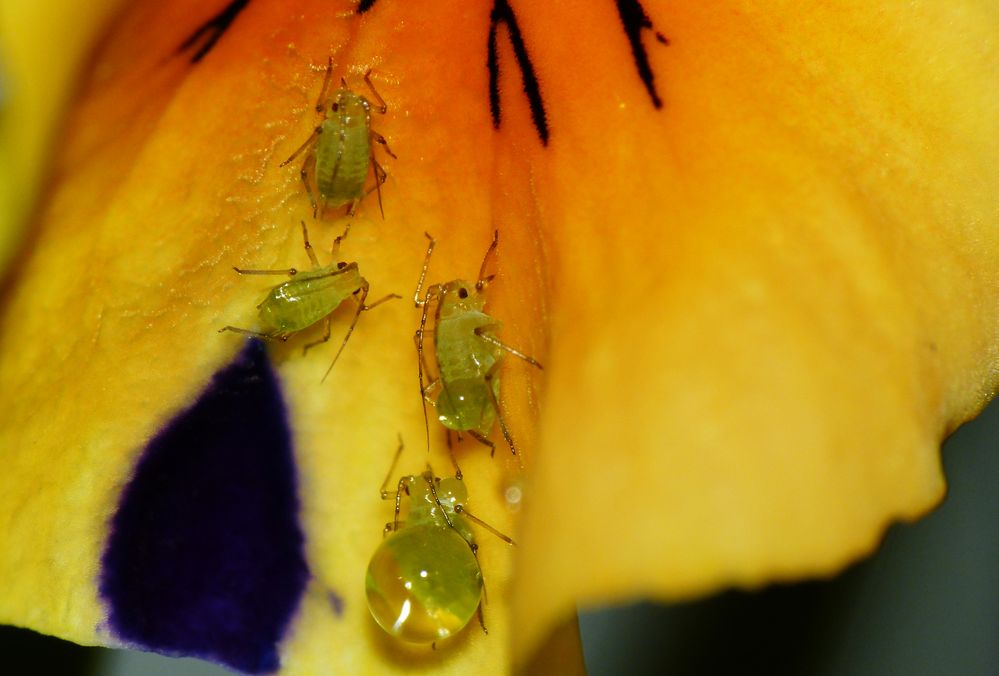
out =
column 335, row 107
column 462, row 293
column 341, row 265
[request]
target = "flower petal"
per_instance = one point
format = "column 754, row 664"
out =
column 33, row 99
column 770, row 299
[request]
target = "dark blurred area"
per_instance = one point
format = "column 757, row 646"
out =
column 926, row 604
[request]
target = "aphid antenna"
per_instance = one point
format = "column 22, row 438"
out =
column 460, row 509
column 417, row 300
column 395, row 461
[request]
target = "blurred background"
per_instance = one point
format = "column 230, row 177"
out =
column 927, row 603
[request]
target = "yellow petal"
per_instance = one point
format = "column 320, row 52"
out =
column 36, row 81
column 761, row 332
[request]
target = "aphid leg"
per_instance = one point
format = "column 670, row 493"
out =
column 305, row 146
column 429, row 478
column 426, row 367
column 483, row 280
column 379, row 179
column 328, row 328
column 485, row 594
column 321, row 101
column 482, row 332
column 335, row 249
column 454, row 460
column 430, row 386
column 460, row 509
column 382, row 107
column 400, row 487
column 395, row 461
column 346, row 230
column 308, row 246
column 420, row 333
column 482, row 620
column 499, row 412
column 485, row 441
column 255, row 334
column 381, row 139
column 361, row 307
column 365, row 308
column 309, row 163
column 291, row 272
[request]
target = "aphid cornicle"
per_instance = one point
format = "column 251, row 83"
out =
column 339, row 151
column 423, row 582
column 309, row 297
column 467, row 355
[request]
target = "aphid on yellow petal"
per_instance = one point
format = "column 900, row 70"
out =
column 424, row 583
column 339, row 152
column 467, row 355
column 309, row 297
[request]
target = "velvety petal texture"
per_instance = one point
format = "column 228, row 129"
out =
column 754, row 248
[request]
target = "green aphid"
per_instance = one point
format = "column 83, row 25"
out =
column 309, row 297
column 339, row 151
column 424, row 583
column 467, row 355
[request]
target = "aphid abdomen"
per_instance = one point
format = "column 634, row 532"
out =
column 343, row 156
column 460, row 353
column 301, row 302
column 465, row 405
column 423, row 583
column 464, row 360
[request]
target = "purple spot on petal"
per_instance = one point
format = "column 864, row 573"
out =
column 205, row 556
